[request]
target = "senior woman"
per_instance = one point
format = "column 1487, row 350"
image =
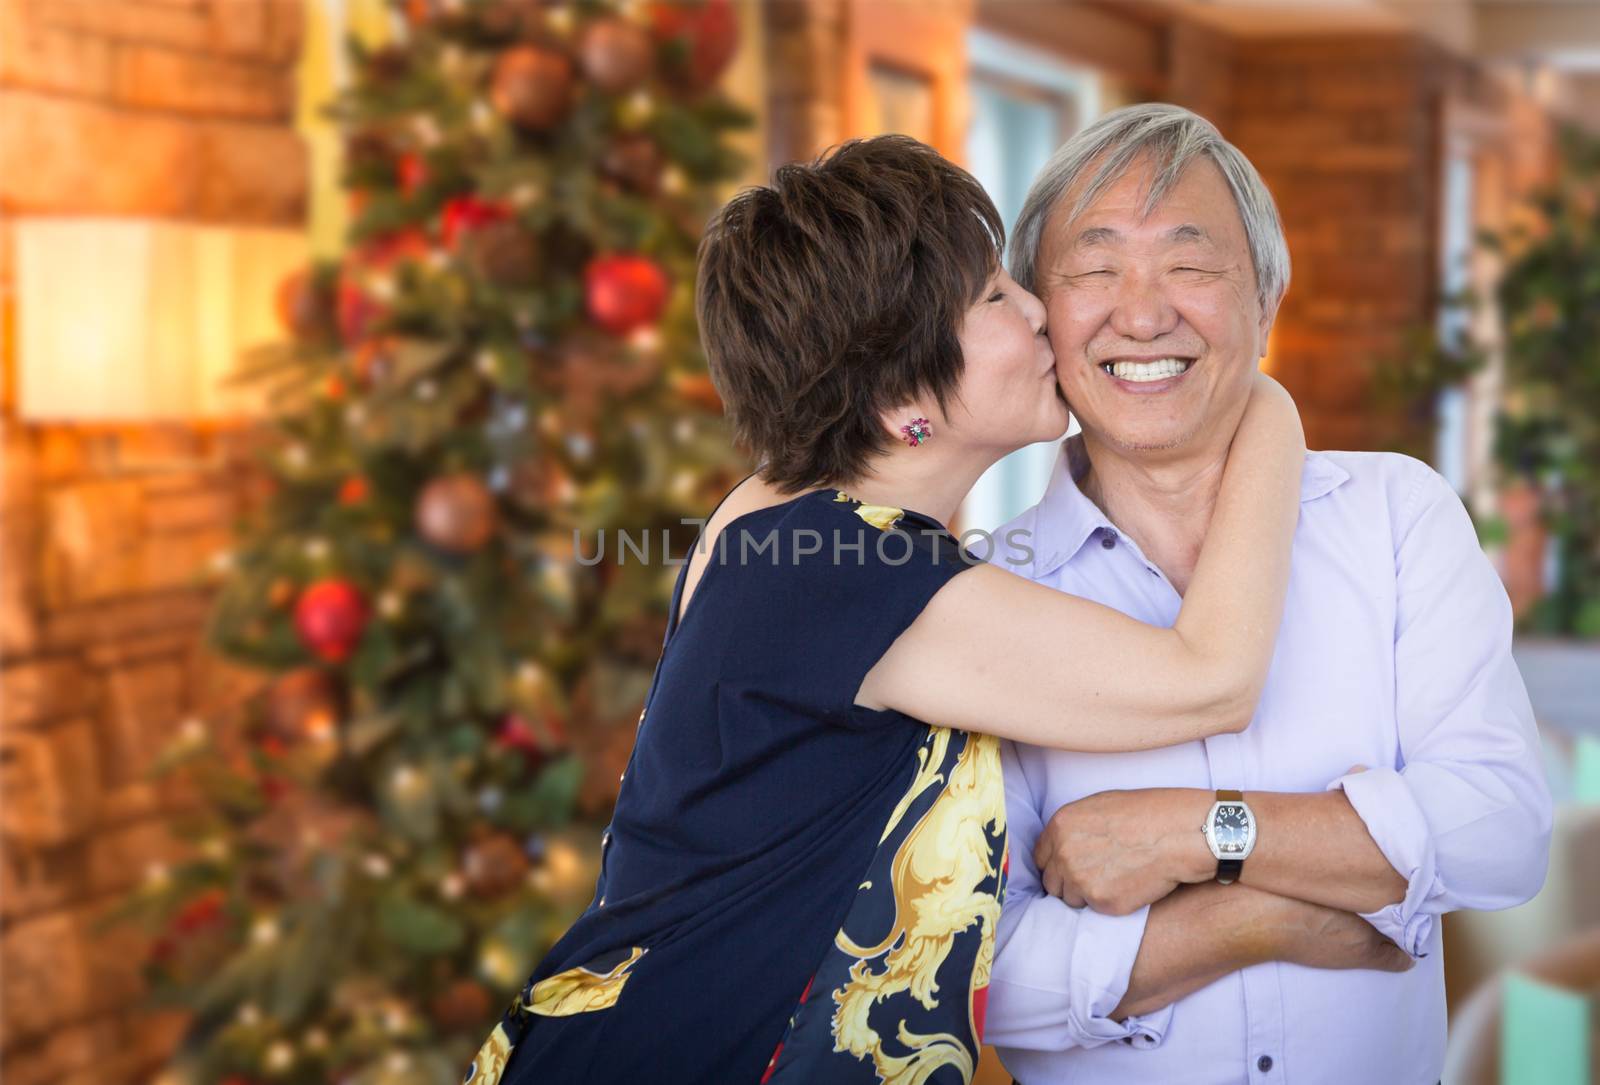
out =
column 808, row 855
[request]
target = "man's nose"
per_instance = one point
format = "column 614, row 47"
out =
column 1142, row 309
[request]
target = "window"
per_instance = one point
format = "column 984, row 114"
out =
column 1025, row 104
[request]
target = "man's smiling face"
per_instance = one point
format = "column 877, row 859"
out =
column 1155, row 324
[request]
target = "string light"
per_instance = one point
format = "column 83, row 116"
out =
column 638, row 108
column 265, row 931
column 497, row 964
column 407, row 782
column 280, row 1056
column 192, row 732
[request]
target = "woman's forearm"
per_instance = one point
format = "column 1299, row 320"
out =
column 1234, row 605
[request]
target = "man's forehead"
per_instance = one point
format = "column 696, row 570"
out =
column 1200, row 191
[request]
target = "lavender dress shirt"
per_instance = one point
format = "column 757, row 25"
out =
column 1395, row 653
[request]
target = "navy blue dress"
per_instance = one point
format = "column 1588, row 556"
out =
column 793, row 888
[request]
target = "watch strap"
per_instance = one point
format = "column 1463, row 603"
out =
column 1228, row 870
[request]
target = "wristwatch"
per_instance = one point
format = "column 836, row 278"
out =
column 1230, row 830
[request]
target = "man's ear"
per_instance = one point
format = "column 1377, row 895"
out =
column 1269, row 316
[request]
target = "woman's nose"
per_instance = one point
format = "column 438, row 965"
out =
column 1033, row 309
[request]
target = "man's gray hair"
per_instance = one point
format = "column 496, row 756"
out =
column 1175, row 137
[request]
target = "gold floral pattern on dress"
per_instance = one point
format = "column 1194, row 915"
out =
column 490, row 1062
column 594, row 986
column 938, row 876
column 882, row 517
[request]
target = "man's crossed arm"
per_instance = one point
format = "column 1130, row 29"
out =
column 1314, row 865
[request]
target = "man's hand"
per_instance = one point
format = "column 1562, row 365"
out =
column 1117, row 851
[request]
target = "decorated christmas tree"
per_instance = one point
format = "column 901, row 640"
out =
column 499, row 378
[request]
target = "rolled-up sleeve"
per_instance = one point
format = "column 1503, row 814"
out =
column 1465, row 814
column 1058, row 971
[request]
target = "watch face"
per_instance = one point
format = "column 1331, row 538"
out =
column 1230, row 828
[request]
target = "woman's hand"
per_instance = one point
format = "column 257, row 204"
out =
column 1270, row 414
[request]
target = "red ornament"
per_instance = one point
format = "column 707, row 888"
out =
column 624, row 292
column 413, row 172
column 358, row 310
column 330, row 618
column 464, row 213
column 386, row 251
column 353, row 491
column 204, row 910
column 701, row 39
column 534, row 740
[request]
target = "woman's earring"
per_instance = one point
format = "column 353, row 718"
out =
column 916, row 431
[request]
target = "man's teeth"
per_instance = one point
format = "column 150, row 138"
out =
column 1160, row 369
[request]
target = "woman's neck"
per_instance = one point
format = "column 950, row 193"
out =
column 919, row 479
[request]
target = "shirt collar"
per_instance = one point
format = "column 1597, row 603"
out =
column 1065, row 518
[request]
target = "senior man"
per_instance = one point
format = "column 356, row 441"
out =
column 1223, row 911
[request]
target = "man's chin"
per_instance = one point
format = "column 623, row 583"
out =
column 1134, row 442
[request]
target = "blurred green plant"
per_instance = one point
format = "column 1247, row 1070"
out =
column 1548, row 422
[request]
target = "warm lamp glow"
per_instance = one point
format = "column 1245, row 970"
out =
column 124, row 319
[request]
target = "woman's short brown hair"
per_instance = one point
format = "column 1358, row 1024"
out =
column 837, row 292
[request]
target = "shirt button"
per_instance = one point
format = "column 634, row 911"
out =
column 1264, row 1063
column 1109, row 540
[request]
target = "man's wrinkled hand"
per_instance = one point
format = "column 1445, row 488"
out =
column 1117, row 851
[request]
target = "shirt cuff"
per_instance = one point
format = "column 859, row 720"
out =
column 1385, row 803
column 1103, row 951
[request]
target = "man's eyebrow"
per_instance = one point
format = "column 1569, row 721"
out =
column 1097, row 235
column 1105, row 235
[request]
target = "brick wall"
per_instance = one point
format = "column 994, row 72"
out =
column 1346, row 133
column 170, row 108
